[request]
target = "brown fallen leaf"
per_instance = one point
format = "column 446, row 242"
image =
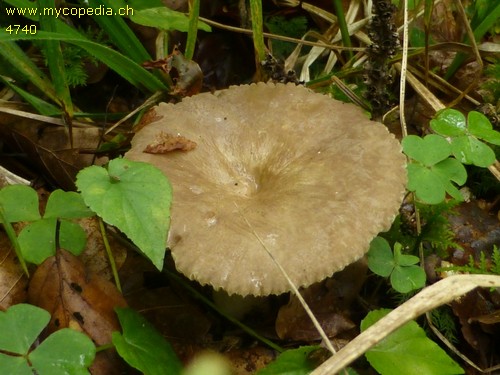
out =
column 482, row 336
column 49, row 149
column 95, row 257
column 294, row 324
column 165, row 142
column 77, row 300
column 330, row 302
column 13, row 282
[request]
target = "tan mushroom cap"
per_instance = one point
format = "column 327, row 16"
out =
column 312, row 176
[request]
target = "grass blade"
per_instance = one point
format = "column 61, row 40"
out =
column 258, row 36
column 344, row 31
column 118, row 31
column 124, row 66
column 12, row 53
column 194, row 13
column 55, row 61
column 40, row 105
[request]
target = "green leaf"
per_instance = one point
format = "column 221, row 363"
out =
column 451, row 169
column 67, row 205
column 165, row 19
column 64, row 352
column 14, row 365
column 470, row 150
column 143, row 347
column 431, row 183
column 19, row 203
column 380, row 257
column 450, row 123
column 424, row 183
column 72, row 237
column 429, row 150
column 38, row 240
column 404, row 279
column 291, row 362
column 133, row 196
column 407, row 351
column 20, row 326
column 481, row 127
column 407, row 260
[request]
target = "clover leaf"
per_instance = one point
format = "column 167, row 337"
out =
column 431, row 172
column 19, row 203
column 465, row 136
column 404, row 274
column 64, row 352
column 38, row 239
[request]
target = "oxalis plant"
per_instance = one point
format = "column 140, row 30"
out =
column 435, row 170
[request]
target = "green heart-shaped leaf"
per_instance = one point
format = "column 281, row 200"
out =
column 429, row 150
column 407, row 260
column 133, row 196
column 38, row 240
column 450, row 123
column 481, row 127
column 19, row 203
column 20, row 326
column 67, row 205
column 404, row 279
column 424, row 183
column 380, row 257
column 14, row 365
column 64, row 352
column 451, row 170
column 470, row 150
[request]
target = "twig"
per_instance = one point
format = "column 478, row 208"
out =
column 404, row 64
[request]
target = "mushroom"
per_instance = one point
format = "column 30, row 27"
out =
column 309, row 178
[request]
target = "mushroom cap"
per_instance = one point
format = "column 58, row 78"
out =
column 311, row 177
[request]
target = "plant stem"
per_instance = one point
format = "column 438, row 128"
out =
column 101, row 348
column 9, row 230
column 194, row 13
column 344, row 30
column 112, row 263
column 210, row 304
column 258, row 36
